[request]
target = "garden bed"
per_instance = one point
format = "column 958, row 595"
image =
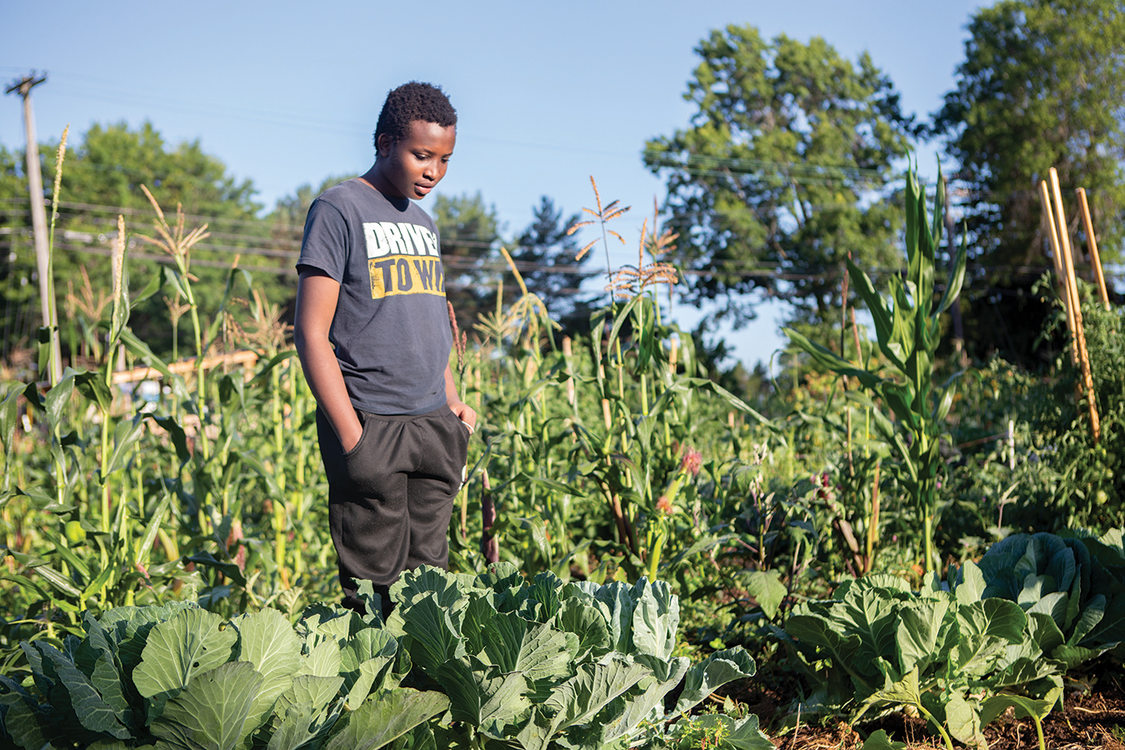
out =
column 1093, row 718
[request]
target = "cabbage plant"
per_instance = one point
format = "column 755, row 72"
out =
column 488, row 661
column 177, row 676
column 550, row 664
column 1078, row 581
column 951, row 655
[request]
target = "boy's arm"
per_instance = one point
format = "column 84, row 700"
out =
column 464, row 412
column 317, row 294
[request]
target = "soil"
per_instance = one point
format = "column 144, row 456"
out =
column 1093, row 718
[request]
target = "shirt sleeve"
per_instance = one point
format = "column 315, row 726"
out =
column 325, row 242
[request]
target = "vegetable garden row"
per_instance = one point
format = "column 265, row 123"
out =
column 631, row 538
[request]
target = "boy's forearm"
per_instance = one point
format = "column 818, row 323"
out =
column 317, row 295
column 326, row 382
column 451, row 396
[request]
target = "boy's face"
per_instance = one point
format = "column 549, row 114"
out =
column 412, row 166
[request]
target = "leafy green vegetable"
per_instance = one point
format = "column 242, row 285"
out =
column 181, row 677
column 883, row 646
column 1079, row 582
column 546, row 662
column 492, row 661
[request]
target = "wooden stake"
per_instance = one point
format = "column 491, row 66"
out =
column 1092, row 244
column 568, row 352
column 1060, row 271
column 1080, row 335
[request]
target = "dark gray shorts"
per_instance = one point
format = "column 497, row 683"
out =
column 390, row 497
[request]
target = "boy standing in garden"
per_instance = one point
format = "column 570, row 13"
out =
column 373, row 334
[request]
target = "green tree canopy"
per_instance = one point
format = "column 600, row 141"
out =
column 290, row 211
column 545, row 255
column 19, row 292
column 782, row 173
column 1042, row 85
column 103, row 171
column 109, row 164
column 470, row 235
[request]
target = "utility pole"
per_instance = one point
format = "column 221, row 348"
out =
column 23, row 87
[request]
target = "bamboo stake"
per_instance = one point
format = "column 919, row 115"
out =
column 568, row 353
column 1060, row 271
column 873, row 523
column 1092, row 244
column 1080, row 335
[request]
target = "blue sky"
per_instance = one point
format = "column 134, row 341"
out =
column 547, row 94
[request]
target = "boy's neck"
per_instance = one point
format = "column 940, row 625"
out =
column 376, row 181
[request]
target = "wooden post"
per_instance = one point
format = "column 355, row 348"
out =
column 567, row 354
column 39, row 223
column 1092, row 244
column 1060, row 270
column 1079, row 333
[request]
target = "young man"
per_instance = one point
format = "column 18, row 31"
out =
column 372, row 331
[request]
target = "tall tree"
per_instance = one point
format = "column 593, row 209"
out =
column 1042, row 85
column 545, row 255
column 286, row 228
column 783, row 172
column 290, row 211
column 110, row 163
column 103, row 171
column 470, row 235
column 19, row 301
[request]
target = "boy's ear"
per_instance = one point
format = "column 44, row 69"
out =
column 384, row 143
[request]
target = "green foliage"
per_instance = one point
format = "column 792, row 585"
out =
column 1078, row 581
column 104, row 170
column 183, row 677
column 111, row 162
column 781, row 174
column 876, row 645
column 598, row 445
column 879, row 740
column 1030, row 461
column 515, row 663
column 1092, row 471
column 547, row 664
column 107, row 168
column 606, row 457
column 908, row 331
column 1041, row 85
column 715, row 731
column 18, row 287
column 98, row 517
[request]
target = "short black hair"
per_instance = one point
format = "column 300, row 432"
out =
column 413, row 101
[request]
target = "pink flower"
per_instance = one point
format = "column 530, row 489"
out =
column 664, row 505
column 692, row 462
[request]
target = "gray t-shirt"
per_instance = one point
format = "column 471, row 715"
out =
column 391, row 329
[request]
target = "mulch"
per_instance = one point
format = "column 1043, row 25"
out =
column 1093, row 718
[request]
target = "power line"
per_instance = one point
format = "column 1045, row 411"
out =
column 722, row 165
column 266, row 244
column 455, row 263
